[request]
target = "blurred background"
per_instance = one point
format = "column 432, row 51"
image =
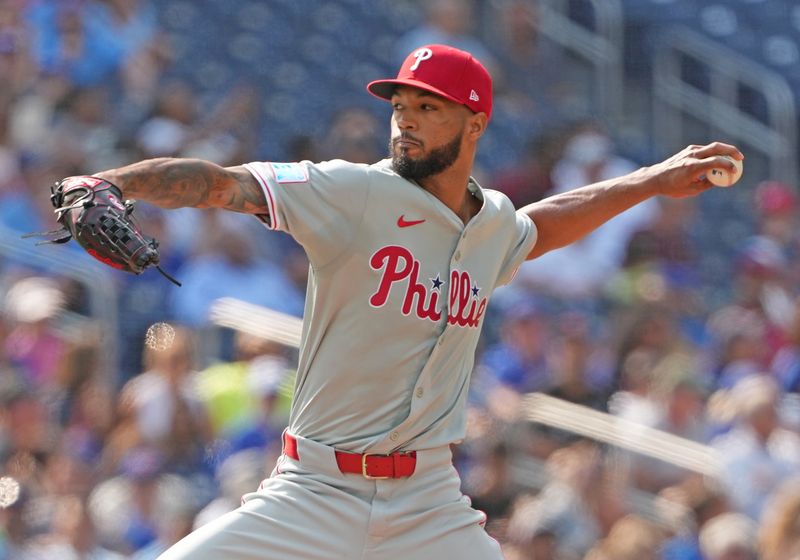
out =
column 680, row 315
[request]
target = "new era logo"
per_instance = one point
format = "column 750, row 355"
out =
column 473, row 96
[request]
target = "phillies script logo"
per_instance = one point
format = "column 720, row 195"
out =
column 401, row 269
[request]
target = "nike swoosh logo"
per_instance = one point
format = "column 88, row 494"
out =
column 402, row 222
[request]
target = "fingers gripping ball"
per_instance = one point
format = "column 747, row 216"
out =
column 724, row 177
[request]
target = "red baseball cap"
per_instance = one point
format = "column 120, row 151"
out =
column 446, row 71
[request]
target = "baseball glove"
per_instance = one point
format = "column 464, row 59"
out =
column 92, row 212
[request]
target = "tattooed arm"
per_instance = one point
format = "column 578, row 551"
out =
column 175, row 182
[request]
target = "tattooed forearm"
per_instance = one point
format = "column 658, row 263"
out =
column 174, row 183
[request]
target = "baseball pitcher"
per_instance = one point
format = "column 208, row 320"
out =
column 404, row 256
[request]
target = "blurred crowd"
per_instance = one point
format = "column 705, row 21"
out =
column 117, row 454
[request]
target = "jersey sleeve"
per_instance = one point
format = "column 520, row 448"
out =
column 321, row 205
column 523, row 240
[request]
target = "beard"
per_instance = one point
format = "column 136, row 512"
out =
column 435, row 162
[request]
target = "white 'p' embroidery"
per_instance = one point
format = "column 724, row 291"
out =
column 420, row 55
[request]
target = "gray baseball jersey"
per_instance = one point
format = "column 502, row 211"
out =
column 397, row 294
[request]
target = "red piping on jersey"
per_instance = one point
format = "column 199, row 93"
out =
column 273, row 216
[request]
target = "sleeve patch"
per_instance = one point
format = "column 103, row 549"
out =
column 289, row 172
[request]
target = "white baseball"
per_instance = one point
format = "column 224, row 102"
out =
column 723, row 177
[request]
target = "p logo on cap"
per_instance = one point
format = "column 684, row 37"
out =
column 420, row 55
column 445, row 71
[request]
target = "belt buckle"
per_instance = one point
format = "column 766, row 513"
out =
column 364, row 467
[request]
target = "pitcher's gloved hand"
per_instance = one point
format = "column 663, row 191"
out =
column 93, row 213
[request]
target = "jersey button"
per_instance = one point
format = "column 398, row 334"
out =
column 393, row 436
column 457, row 255
column 420, row 392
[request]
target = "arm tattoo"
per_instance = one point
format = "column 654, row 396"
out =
column 174, row 183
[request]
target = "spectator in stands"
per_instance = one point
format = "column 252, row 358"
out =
column 175, row 509
column 168, row 377
column 682, row 395
column 231, row 268
column 16, row 207
column 766, row 273
column 72, row 535
column 168, row 129
column 631, row 538
column 666, row 239
column 770, row 257
column 169, row 414
column 780, row 531
column 786, row 364
column 531, row 176
column 578, row 505
column 489, row 483
column 447, row 22
column 132, row 27
column 529, row 535
column 730, row 536
column 88, row 419
column 63, row 43
column 68, row 469
column 25, row 207
column 229, row 131
column 538, row 87
column 649, row 328
column 143, row 299
column 14, row 529
column 15, row 64
column 517, row 363
column 581, row 370
column 79, row 367
column 355, row 134
column 697, row 499
column 776, row 211
column 33, row 112
column 123, row 435
column 661, row 266
column 303, row 146
column 740, row 335
column 671, row 400
column 9, row 156
column 142, row 470
column 583, row 268
column 178, row 127
column 243, row 397
column 26, row 430
column 237, row 475
column 33, row 344
column 133, row 24
column 82, row 133
column 11, row 376
column 661, row 270
column 143, row 510
column 758, row 454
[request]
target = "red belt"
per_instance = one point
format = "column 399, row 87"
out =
column 395, row 465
